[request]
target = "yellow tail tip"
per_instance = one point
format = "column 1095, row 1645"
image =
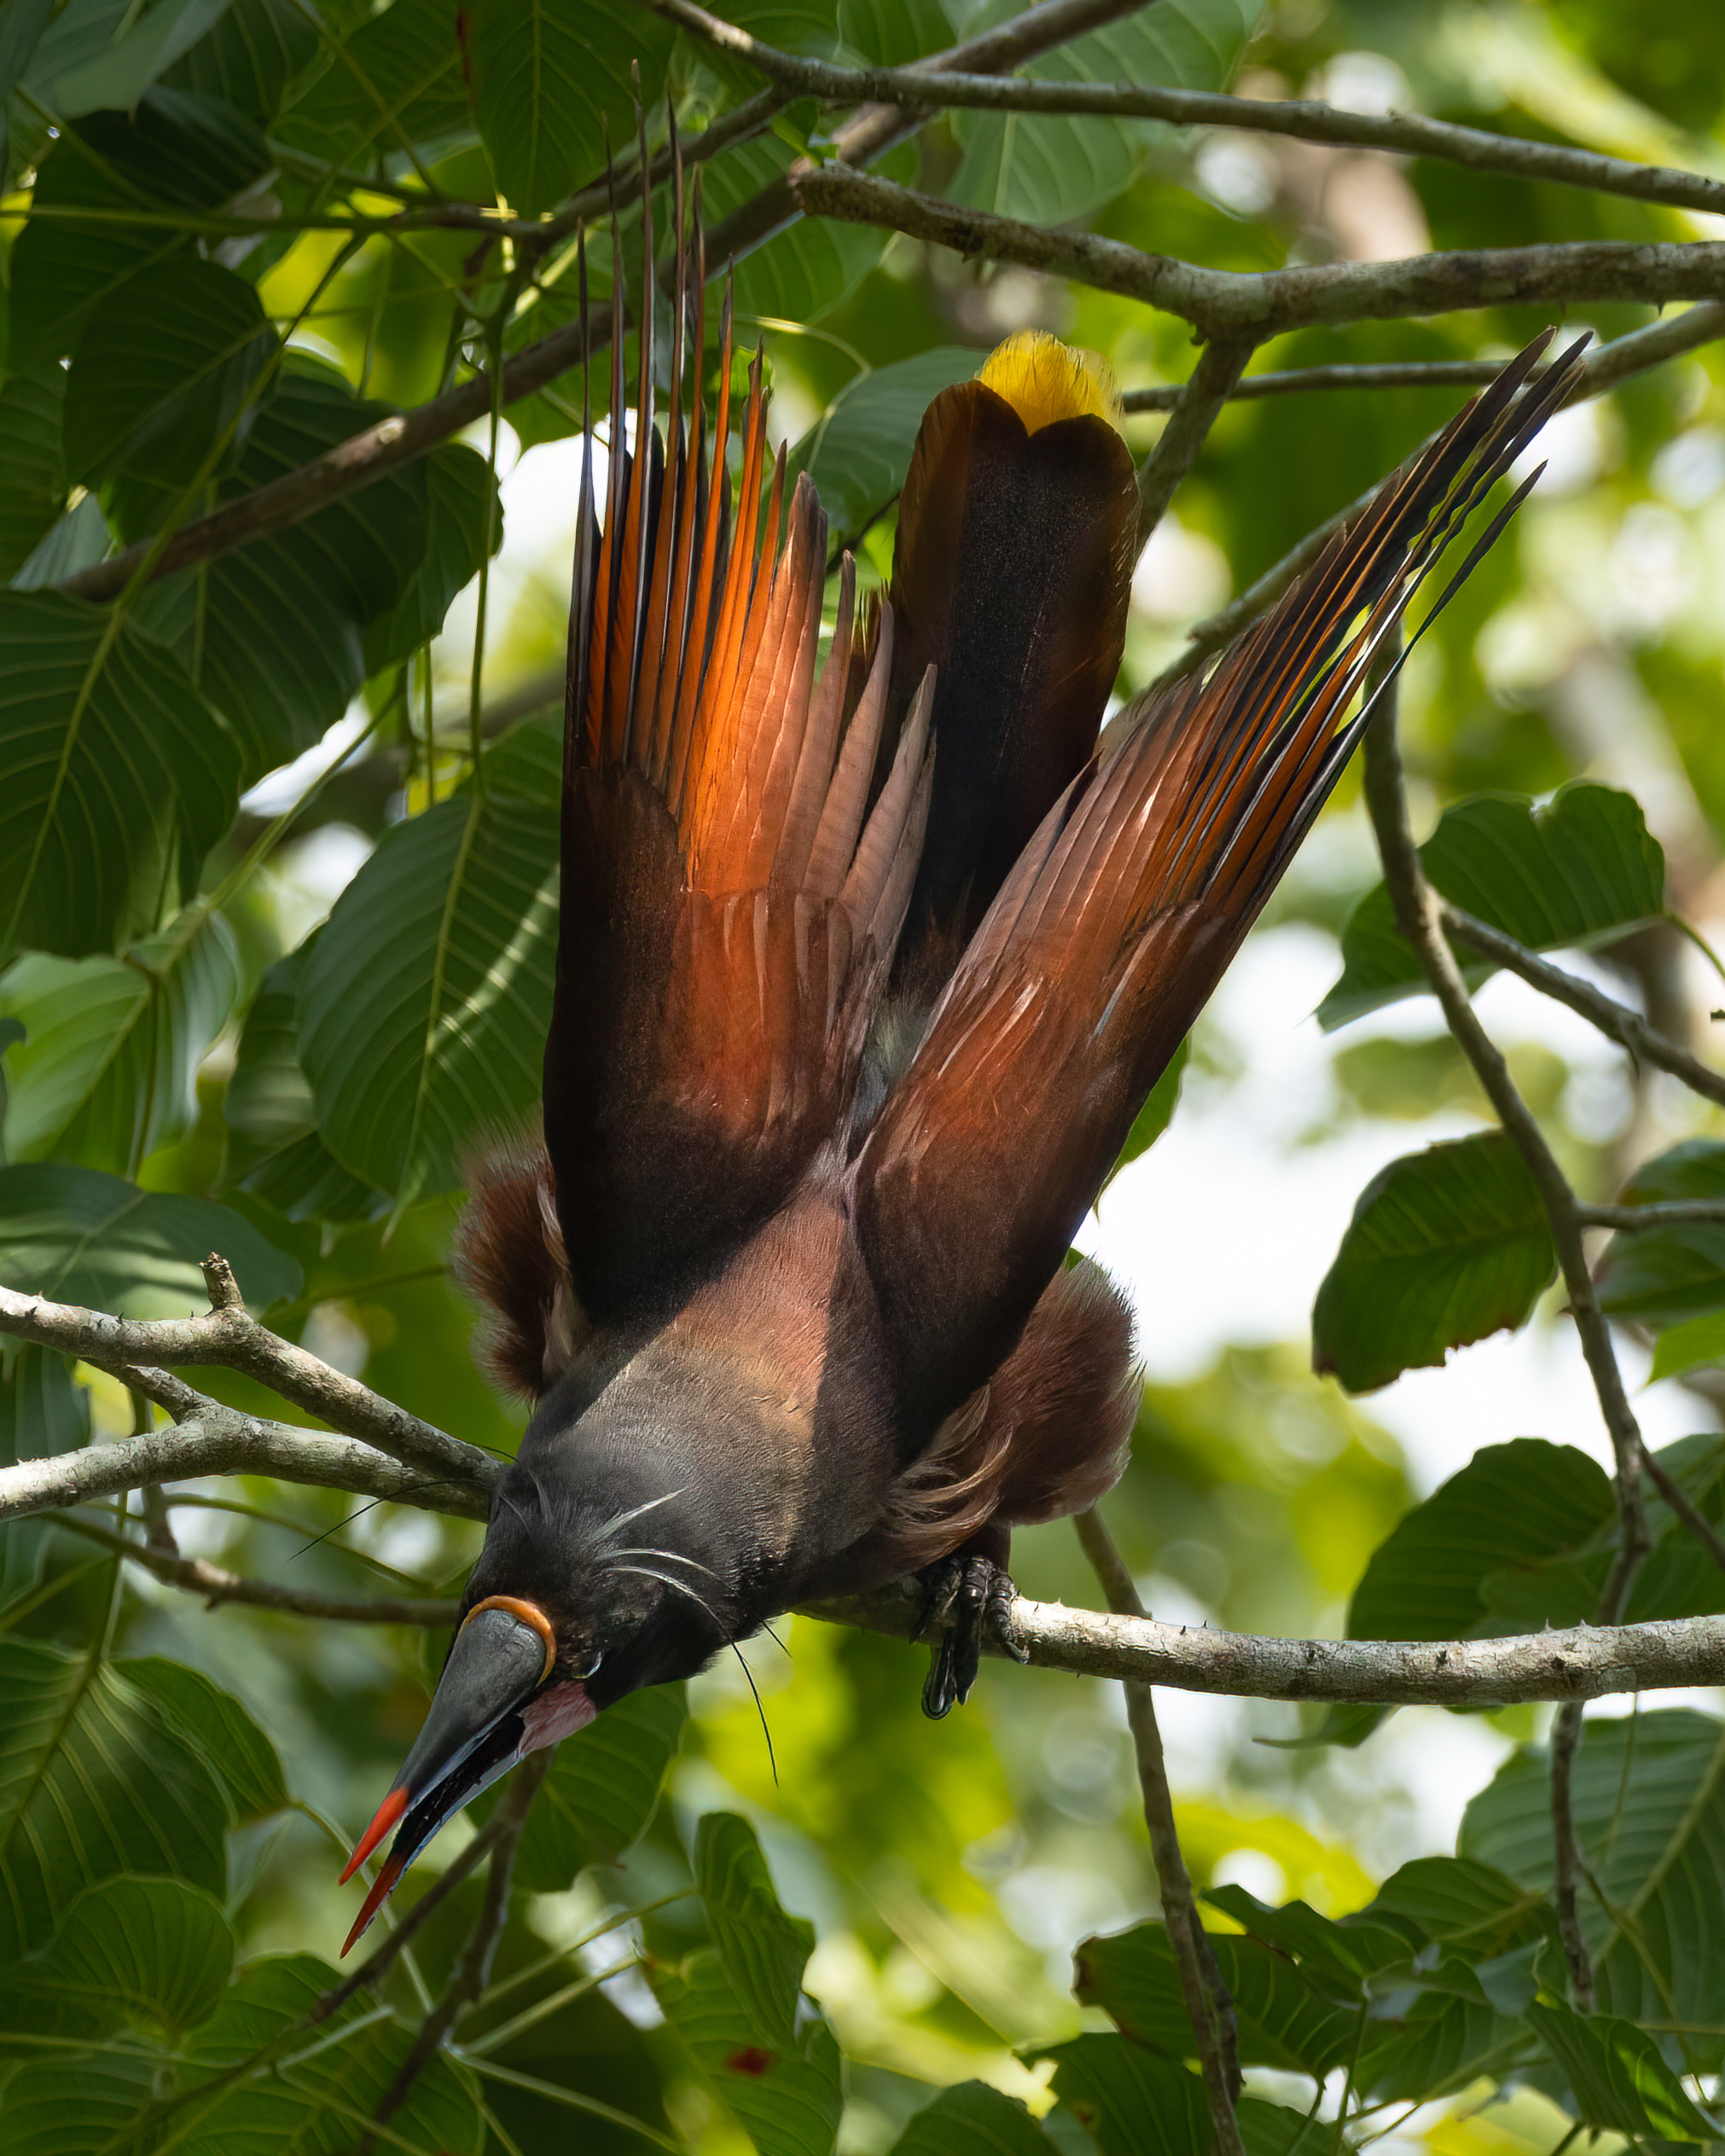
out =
column 1044, row 379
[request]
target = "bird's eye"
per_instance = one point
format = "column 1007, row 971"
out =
column 589, row 1667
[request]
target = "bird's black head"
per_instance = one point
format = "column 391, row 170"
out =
column 602, row 1573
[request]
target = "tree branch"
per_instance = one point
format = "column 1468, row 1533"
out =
column 405, row 436
column 1208, row 2005
column 1615, row 1020
column 1212, row 382
column 1603, row 368
column 217, row 1585
column 1406, row 134
column 228, row 1338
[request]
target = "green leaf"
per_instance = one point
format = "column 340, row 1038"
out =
column 427, row 995
column 1621, row 2084
column 395, row 81
column 1468, row 1907
column 109, row 1069
column 1445, row 1246
column 317, row 2101
column 249, row 56
column 1048, row 170
column 163, row 370
column 52, row 2106
column 93, row 1783
column 274, row 1150
column 116, row 78
column 976, row 2118
column 762, row 1950
column 1157, row 1112
column 858, row 451
column 1648, row 1800
column 802, row 273
column 1132, row 2102
column 1511, row 1506
column 33, row 471
column 1283, row 2020
column 1664, row 1275
column 460, row 492
column 42, row 1410
column 278, row 633
column 153, row 1951
column 602, row 1789
column 552, row 88
column 1580, row 871
column 215, row 1725
column 1692, row 1346
column 78, row 1236
column 891, row 33
column 1337, row 1958
column 110, row 803
column 174, row 151
column 787, row 2101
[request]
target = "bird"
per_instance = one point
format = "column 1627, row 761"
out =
column 866, row 964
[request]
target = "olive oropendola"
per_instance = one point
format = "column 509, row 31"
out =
column 864, row 970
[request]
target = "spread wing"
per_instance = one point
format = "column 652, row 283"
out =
column 733, row 881
column 1118, row 921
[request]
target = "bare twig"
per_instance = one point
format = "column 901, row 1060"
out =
column 1566, row 1740
column 1212, row 382
column 216, row 1584
column 1693, row 1518
column 1267, row 303
column 1209, row 2007
column 1674, row 1212
column 1604, row 368
column 1406, row 134
column 473, row 1971
column 228, row 1338
column 1627, row 1027
column 405, row 436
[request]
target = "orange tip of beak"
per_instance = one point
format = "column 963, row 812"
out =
column 381, row 1890
column 388, row 1812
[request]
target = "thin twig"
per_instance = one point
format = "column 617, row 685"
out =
column 1406, row 134
column 1674, row 1212
column 217, row 1584
column 473, row 1971
column 1212, row 382
column 1420, row 914
column 1209, row 2007
column 1693, row 1518
column 1617, row 1020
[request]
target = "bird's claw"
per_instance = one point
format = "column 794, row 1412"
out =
column 963, row 1594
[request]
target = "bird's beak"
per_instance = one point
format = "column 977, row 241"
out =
column 490, row 1707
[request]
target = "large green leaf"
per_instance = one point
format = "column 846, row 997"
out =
column 214, row 1724
column 858, row 451
column 427, row 997
column 1648, row 1800
column 1284, row 2021
column 148, row 43
column 108, row 1070
column 249, row 56
column 1444, row 1248
column 79, row 1236
column 460, row 493
column 1047, row 170
column 275, row 629
column 1337, row 1958
column 75, row 2100
column 93, row 1783
column 1132, row 2102
column 164, row 371
column 552, row 88
column 762, row 1948
column 32, row 470
column 174, row 151
column 1470, row 1907
column 1580, row 871
column 153, row 1951
column 1666, row 1275
column 602, row 1789
column 788, row 2102
column 1619, row 2082
column 802, row 273
column 973, row 2116
column 319, row 2097
column 1510, row 1507
column 397, row 80
column 119, row 778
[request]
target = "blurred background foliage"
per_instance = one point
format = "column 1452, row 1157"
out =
column 948, row 1870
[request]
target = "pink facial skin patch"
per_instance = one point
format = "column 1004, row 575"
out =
column 557, row 1713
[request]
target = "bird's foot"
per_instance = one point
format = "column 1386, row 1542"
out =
column 963, row 1594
